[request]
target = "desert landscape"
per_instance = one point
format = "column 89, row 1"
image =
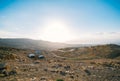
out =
column 59, row 40
column 92, row 63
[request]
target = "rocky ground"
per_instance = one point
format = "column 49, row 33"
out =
column 55, row 68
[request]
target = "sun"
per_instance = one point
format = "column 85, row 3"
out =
column 56, row 31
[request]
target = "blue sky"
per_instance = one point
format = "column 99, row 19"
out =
column 74, row 21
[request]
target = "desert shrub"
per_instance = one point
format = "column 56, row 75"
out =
column 7, row 53
column 59, row 80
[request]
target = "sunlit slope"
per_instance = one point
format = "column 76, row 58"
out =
column 93, row 52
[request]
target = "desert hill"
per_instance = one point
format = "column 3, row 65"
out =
column 96, row 52
column 23, row 43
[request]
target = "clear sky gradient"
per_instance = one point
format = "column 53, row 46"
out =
column 70, row 21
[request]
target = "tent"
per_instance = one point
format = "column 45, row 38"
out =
column 31, row 55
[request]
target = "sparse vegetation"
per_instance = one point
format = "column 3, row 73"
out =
column 59, row 80
column 56, row 68
column 7, row 54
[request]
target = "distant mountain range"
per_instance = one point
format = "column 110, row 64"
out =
column 94, row 42
column 30, row 44
column 24, row 43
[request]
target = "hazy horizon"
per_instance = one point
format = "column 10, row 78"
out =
column 65, row 21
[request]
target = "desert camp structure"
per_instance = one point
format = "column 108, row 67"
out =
column 31, row 55
column 40, row 56
column 37, row 54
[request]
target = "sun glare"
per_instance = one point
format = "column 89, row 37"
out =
column 56, row 31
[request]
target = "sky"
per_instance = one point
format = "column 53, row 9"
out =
column 68, row 21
